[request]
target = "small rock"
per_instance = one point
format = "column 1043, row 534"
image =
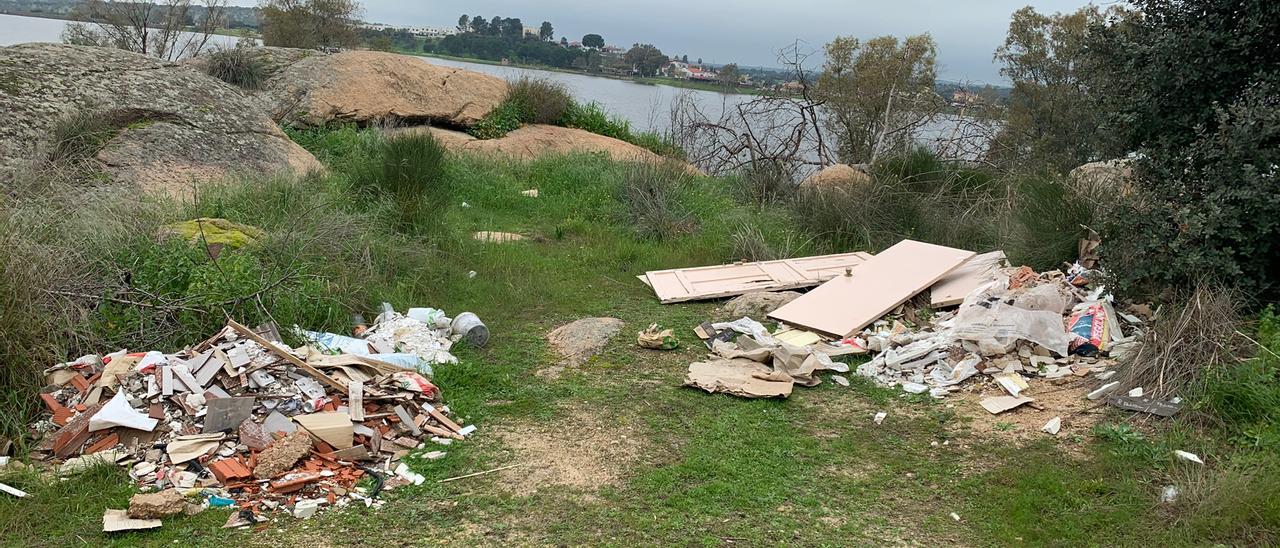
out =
column 578, row 341
column 157, row 505
column 757, row 305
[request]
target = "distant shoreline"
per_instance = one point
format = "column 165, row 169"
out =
column 643, row 80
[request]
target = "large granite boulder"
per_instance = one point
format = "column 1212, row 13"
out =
column 535, row 140
column 1105, row 178
column 371, row 86
column 838, row 176
column 166, row 126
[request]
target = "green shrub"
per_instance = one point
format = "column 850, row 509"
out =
column 410, row 172
column 766, row 184
column 592, row 117
column 541, row 101
column 651, row 193
column 504, row 119
column 1049, row 217
column 1245, row 396
column 238, row 66
column 947, row 206
column 1210, row 208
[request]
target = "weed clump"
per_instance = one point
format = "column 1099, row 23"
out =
column 540, row 101
column 237, row 66
column 411, row 174
column 651, row 192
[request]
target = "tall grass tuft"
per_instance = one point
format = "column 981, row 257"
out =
column 237, row 66
column 1037, row 220
column 411, row 174
column 651, row 192
column 541, row 101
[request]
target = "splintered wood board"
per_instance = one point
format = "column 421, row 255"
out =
column 711, row 282
column 846, row 304
column 954, row 287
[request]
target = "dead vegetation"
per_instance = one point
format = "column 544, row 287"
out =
column 1192, row 335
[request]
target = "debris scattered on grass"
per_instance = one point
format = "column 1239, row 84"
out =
column 656, row 338
column 243, row 419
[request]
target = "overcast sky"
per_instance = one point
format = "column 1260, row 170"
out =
column 749, row 32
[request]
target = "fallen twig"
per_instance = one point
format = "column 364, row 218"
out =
column 446, row 480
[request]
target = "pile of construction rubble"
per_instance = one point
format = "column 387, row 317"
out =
column 931, row 317
column 243, row 420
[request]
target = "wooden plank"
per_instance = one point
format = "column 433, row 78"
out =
column 355, row 400
column 271, row 347
column 848, row 303
column 710, row 282
column 954, row 287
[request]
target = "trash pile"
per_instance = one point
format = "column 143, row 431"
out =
column 985, row 319
column 243, row 420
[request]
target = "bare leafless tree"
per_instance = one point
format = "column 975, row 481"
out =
column 778, row 130
column 168, row 29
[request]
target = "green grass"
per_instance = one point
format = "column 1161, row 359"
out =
column 705, row 469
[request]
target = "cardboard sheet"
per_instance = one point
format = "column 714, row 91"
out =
column 1000, row 404
column 848, row 303
column 332, row 428
column 710, row 282
column 119, row 520
column 952, row 288
column 740, row 377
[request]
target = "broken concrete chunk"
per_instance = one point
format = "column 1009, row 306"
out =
column 157, row 505
column 1103, row 390
column 1189, row 457
column 282, row 455
column 1053, row 426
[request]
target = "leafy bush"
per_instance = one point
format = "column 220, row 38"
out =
column 651, row 193
column 507, row 117
column 238, row 66
column 1210, row 208
column 540, row 101
column 411, row 174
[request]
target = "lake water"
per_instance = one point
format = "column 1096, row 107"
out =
column 15, row 29
column 646, row 107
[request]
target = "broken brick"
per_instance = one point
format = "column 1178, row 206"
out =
column 228, row 470
column 106, row 442
column 294, row 482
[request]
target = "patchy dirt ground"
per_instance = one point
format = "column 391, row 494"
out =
column 580, row 451
column 1067, row 400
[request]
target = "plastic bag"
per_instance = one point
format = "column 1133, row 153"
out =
column 996, row 325
column 1090, row 332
